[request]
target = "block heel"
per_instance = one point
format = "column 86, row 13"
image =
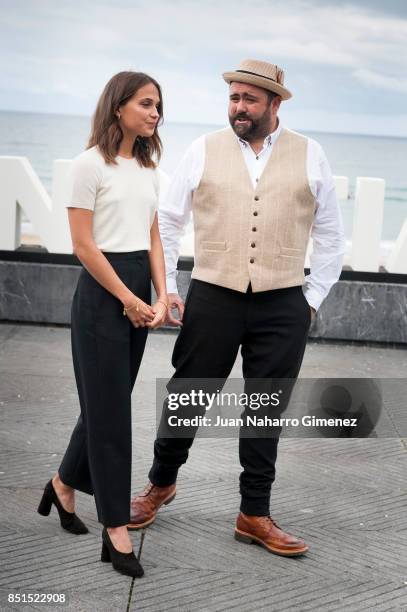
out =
column 105, row 555
column 169, row 500
column 243, row 538
column 45, row 504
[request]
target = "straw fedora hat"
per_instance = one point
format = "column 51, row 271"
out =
column 262, row 74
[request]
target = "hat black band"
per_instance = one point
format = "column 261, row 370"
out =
column 259, row 75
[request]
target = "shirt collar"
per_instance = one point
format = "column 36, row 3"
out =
column 269, row 140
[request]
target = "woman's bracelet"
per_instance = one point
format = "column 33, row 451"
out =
column 126, row 310
column 136, row 306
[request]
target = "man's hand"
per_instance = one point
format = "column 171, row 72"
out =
column 175, row 302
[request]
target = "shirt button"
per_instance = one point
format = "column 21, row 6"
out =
column 253, row 245
column 257, row 180
column 251, row 259
column 254, row 229
column 256, row 198
column 257, row 157
column 255, row 213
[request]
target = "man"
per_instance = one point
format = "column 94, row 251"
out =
column 257, row 192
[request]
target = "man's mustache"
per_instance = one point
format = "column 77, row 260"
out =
column 237, row 117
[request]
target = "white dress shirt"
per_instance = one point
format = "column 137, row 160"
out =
column 327, row 228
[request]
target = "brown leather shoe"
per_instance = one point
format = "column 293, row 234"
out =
column 264, row 531
column 144, row 507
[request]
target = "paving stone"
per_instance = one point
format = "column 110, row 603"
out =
column 346, row 497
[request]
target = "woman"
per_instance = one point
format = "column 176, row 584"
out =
column 114, row 228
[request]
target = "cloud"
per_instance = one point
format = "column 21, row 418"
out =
column 63, row 53
column 347, row 36
column 178, row 31
column 319, row 52
column 382, row 81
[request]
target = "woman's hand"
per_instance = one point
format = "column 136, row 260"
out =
column 138, row 312
column 160, row 309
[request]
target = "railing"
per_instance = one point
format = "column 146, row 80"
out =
column 22, row 190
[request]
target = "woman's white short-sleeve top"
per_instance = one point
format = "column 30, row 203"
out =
column 123, row 197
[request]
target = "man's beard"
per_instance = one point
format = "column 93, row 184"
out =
column 254, row 129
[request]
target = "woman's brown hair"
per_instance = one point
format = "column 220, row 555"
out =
column 106, row 131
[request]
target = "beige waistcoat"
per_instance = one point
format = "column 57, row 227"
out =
column 245, row 235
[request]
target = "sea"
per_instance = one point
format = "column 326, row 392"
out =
column 42, row 138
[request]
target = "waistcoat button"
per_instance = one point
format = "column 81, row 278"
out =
column 255, row 213
column 253, row 245
column 254, row 229
column 251, row 259
column 256, row 198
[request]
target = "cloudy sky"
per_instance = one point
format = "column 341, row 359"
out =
column 345, row 62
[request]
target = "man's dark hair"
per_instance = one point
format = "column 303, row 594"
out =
column 271, row 95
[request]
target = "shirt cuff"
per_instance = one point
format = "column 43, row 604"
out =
column 172, row 285
column 312, row 296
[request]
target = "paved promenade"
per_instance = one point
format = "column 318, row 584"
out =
column 346, row 498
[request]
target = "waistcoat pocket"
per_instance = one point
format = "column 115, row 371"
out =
column 291, row 252
column 214, row 246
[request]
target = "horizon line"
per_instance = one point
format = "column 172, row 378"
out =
column 370, row 135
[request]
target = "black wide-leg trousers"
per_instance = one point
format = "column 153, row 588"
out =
column 271, row 327
column 107, row 350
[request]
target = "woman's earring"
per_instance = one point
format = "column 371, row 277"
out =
column 118, row 115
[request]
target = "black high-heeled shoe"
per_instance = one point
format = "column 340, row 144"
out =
column 125, row 563
column 69, row 520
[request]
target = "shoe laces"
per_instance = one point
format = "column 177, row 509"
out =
column 273, row 522
column 148, row 489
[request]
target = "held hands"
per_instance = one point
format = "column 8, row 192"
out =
column 138, row 312
column 175, row 303
column 160, row 309
column 142, row 315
